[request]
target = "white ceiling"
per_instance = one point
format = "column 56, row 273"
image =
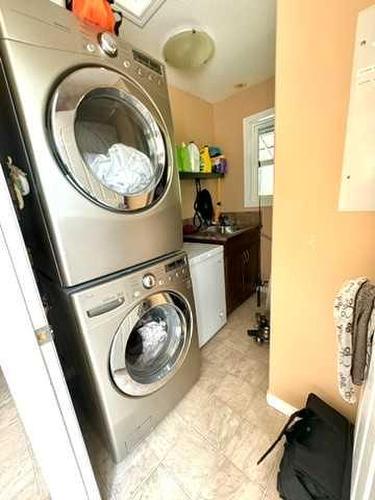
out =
column 244, row 35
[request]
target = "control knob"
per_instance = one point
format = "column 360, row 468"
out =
column 149, row 281
column 108, row 43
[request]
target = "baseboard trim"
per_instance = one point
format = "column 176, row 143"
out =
column 280, row 405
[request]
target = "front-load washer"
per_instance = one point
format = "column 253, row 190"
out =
column 88, row 117
column 133, row 346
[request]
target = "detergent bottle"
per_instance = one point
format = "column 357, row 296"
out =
column 205, row 160
column 183, row 159
column 194, row 156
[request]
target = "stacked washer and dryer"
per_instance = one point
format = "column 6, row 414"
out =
column 87, row 117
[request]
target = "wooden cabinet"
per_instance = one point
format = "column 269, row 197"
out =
column 241, row 254
column 241, row 258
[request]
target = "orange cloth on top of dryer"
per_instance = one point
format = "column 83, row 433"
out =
column 97, row 12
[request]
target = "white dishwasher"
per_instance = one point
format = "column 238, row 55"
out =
column 207, row 274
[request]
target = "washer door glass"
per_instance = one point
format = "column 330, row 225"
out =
column 110, row 139
column 151, row 344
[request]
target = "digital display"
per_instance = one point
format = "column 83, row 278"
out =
column 147, row 61
column 175, row 265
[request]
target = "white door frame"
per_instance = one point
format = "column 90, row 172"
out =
column 33, row 371
column 363, row 473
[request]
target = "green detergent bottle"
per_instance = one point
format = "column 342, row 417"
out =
column 183, row 158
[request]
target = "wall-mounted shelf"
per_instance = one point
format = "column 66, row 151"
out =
column 200, row 175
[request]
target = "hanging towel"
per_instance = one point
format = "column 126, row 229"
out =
column 362, row 333
column 355, row 320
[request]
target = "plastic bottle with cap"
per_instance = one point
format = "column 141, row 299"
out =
column 194, row 156
column 205, row 160
column 183, row 158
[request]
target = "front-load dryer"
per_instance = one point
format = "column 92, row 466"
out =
column 88, row 118
column 133, row 346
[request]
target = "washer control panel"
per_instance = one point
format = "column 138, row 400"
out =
column 175, row 265
column 162, row 275
column 148, row 281
column 175, row 270
column 108, row 43
column 117, row 295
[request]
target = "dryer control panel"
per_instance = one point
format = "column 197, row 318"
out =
column 108, row 43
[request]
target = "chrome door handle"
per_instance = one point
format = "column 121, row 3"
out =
column 107, row 307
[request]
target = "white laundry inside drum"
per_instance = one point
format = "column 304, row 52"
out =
column 124, row 169
column 155, row 344
column 154, row 335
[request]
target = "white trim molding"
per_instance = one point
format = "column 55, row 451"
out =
column 250, row 123
column 363, row 472
column 280, row 405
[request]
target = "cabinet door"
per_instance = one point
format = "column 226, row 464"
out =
column 250, row 268
column 241, row 267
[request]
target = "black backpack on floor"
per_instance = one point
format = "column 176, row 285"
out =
column 317, row 458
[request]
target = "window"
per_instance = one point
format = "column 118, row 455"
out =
column 259, row 143
column 139, row 11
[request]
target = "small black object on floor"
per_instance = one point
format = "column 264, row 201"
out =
column 261, row 333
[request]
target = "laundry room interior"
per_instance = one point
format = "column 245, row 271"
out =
column 186, row 188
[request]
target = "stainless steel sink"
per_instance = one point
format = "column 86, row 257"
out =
column 223, row 229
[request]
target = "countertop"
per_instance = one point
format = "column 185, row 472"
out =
column 204, row 236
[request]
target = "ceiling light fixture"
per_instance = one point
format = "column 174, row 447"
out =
column 189, row 49
column 138, row 11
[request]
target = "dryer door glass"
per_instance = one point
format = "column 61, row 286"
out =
column 110, row 139
column 151, row 344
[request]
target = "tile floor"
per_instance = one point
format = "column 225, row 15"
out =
column 207, row 447
column 20, row 477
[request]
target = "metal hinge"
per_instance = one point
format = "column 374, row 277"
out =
column 44, row 334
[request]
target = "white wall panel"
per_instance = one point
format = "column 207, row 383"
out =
column 358, row 174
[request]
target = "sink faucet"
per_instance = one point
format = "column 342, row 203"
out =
column 224, row 220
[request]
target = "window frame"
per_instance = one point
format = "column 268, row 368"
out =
column 251, row 168
column 144, row 17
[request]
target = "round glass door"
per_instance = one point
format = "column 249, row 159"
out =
column 151, row 344
column 110, row 139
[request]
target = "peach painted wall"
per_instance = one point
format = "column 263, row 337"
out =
column 228, row 125
column 193, row 121
column 228, row 131
column 222, row 124
column 315, row 247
